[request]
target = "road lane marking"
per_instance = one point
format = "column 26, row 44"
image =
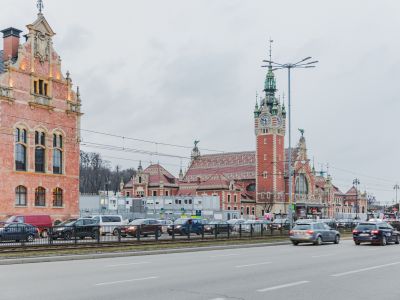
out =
column 252, row 265
column 129, row 264
column 282, row 286
column 365, row 269
column 124, row 281
column 224, row 255
column 322, row 255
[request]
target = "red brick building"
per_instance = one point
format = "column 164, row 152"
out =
column 39, row 127
column 255, row 182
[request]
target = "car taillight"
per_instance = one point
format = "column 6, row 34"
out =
column 291, row 232
column 375, row 231
column 310, row 231
column 355, row 231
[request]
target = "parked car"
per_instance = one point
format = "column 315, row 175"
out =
column 184, row 226
column 344, row 223
column 217, row 226
column 279, row 224
column 313, row 232
column 375, row 233
column 109, row 224
column 235, row 224
column 142, row 227
column 18, row 232
column 254, row 225
column 164, row 224
column 80, row 228
column 41, row 222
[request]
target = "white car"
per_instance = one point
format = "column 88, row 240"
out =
column 110, row 223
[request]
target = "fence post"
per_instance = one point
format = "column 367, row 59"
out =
column 190, row 229
column 240, row 230
column 50, row 235
column 156, row 235
column 202, row 231
column 173, row 231
column 215, row 231
column 98, row 234
column 262, row 229
column 251, row 230
column 119, row 235
column 75, row 239
column 138, row 232
column 229, row 231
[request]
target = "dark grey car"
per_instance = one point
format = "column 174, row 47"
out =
column 313, row 232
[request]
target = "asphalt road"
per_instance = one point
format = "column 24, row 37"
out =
column 343, row 271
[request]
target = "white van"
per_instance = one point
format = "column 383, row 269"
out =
column 110, row 223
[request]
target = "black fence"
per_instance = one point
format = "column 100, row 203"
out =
column 27, row 235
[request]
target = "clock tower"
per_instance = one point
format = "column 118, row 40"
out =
column 270, row 127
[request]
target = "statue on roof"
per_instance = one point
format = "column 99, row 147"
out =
column 301, row 131
column 195, row 143
column 40, row 6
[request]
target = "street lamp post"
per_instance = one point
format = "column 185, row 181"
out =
column 396, row 187
column 356, row 182
column 289, row 66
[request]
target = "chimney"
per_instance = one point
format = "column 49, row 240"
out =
column 10, row 42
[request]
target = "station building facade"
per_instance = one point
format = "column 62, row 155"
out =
column 39, row 127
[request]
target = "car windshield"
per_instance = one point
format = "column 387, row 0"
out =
column 366, row 227
column 279, row 221
column 302, row 227
column 136, row 222
column 67, row 223
column 180, row 221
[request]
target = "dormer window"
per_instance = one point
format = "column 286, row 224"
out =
column 40, row 87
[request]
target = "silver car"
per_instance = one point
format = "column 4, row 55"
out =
column 313, row 232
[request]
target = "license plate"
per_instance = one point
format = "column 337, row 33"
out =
column 364, row 234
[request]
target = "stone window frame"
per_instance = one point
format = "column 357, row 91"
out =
column 40, row 196
column 58, row 197
column 58, row 143
column 40, row 144
column 21, row 138
column 21, row 190
column 40, row 87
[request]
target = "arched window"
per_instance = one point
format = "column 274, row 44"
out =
column 58, row 197
column 20, row 149
column 20, row 195
column 301, row 185
column 247, row 210
column 40, row 196
column 252, row 210
column 57, row 154
column 40, row 151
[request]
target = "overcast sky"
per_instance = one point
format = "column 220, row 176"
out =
column 176, row 71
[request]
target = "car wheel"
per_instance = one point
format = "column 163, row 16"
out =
column 295, row 243
column 337, row 239
column 115, row 232
column 67, row 235
column 383, row 241
column 318, row 242
column 397, row 241
column 44, row 234
column 357, row 243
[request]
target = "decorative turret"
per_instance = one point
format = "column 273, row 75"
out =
column 195, row 151
column 140, row 168
column 180, row 175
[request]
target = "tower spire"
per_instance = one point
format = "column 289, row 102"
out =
column 40, row 6
column 270, row 51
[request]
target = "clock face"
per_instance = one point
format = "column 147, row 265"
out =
column 264, row 120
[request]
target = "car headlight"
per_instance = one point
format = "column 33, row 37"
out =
column 132, row 227
column 178, row 226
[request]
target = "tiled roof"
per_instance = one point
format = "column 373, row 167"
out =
column 1, row 62
column 233, row 166
column 157, row 173
column 351, row 191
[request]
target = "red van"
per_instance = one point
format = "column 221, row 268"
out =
column 41, row 222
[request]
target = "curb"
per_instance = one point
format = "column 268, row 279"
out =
column 28, row 260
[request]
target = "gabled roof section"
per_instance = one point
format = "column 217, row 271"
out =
column 41, row 25
column 351, row 191
column 157, row 174
column 233, row 166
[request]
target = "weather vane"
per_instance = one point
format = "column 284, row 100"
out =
column 270, row 48
column 40, row 5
